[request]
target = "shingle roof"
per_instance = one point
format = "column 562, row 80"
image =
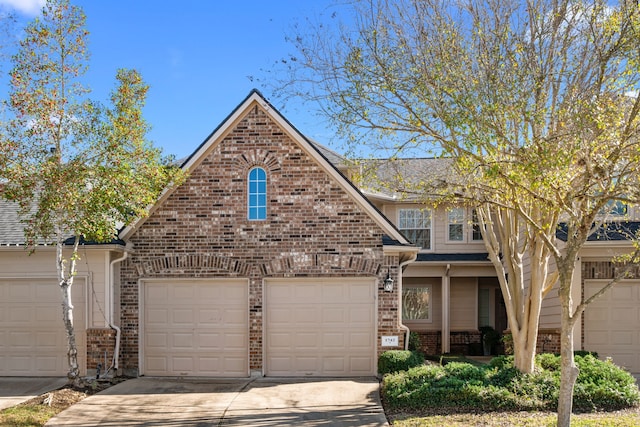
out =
column 403, row 178
column 467, row 257
column 11, row 228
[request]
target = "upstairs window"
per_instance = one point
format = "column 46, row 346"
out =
column 455, row 225
column 257, row 200
column 415, row 224
column 615, row 208
column 476, row 234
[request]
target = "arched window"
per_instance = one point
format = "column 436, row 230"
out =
column 257, row 200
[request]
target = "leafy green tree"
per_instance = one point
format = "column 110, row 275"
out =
column 536, row 104
column 77, row 170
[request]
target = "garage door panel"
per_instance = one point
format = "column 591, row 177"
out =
column 204, row 331
column 361, row 292
column 233, row 341
column 182, row 316
column 360, row 316
column 157, row 317
column 156, row 339
column 621, row 338
column 232, row 318
column 361, row 340
column 335, row 340
column 612, row 324
column 623, row 314
column 49, row 314
column 334, row 365
column 47, row 340
column 318, row 326
column 181, row 341
column 622, row 293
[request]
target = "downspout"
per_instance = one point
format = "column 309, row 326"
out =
column 446, row 305
column 116, row 351
column 401, row 325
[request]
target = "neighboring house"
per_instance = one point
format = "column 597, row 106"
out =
column 268, row 260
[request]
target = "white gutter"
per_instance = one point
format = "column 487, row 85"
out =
column 116, row 351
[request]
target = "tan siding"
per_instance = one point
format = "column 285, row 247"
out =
column 439, row 229
column 550, row 310
column 464, row 303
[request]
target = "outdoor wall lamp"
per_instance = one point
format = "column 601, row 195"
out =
column 388, row 283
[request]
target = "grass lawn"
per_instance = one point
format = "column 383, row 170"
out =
column 628, row 418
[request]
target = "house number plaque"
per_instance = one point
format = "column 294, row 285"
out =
column 389, row 341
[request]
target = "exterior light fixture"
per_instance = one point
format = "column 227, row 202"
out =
column 388, row 283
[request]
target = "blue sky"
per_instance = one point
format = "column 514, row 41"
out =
column 197, row 56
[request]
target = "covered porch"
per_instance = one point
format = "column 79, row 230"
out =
column 450, row 303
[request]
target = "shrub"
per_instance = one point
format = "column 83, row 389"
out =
column 601, row 385
column 398, row 360
column 465, row 371
column 415, row 344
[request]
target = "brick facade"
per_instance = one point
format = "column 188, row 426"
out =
column 314, row 228
column 100, row 347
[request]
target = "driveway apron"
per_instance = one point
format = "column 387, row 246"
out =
column 15, row 390
column 235, row 402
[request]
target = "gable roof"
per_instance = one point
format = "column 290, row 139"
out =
column 254, row 99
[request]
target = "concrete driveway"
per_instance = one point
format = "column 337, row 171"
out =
column 215, row 402
column 15, row 390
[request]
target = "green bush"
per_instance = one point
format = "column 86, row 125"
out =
column 600, row 386
column 398, row 360
column 415, row 344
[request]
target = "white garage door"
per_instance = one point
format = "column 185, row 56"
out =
column 612, row 324
column 32, row 335
column 196, row 328
column 320, row 327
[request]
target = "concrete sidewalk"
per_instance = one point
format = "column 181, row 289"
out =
column 242, row 402
column 15, row 390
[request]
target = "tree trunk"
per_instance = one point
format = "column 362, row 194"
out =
column 67, row 317
column 524, row 353
column 569, row 372
column 66, row 273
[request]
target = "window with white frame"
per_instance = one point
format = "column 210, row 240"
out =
column 476, row 233
column 455, row 225
column 415, row 225
column 416, row 303
column 257, row 197
column 615, row 208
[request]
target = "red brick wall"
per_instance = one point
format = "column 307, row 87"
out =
column 313, row 228
column 100, row 346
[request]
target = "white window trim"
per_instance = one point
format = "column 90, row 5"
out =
column 431, row 228
column 249, row 206
column 465, row 229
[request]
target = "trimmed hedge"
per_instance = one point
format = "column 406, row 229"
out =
column 398, row 360
column 601, row 386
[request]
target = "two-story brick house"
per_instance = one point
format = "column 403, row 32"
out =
column 268, row 260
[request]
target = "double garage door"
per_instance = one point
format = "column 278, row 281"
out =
column 32, row 336
column 322, row 327
column 612, row 324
